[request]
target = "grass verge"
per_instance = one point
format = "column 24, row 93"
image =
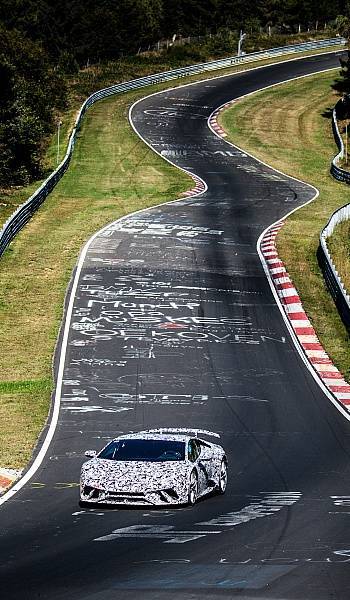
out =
column 112, row 173
column 23, row 408
column 339, row 247
column 286, row 126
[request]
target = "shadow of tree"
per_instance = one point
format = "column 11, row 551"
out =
column 343, row 108
column 341, row 85
column 327, row 114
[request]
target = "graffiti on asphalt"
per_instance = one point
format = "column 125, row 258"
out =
column 265, row 504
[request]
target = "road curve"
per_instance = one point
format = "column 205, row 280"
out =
column 174, row 324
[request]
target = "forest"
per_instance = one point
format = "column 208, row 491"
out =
column 43, row 43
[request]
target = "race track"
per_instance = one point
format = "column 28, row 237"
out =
column 174, row 324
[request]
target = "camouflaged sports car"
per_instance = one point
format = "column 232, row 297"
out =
column 158, row 467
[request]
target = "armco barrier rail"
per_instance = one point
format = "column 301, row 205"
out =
column 22, row 215
column 330, row 273
column 337, row 172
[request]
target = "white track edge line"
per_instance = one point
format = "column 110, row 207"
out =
column 292, row 334
column 57, row 397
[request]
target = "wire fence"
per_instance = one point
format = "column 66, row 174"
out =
column 199, row 39
column 23, row 214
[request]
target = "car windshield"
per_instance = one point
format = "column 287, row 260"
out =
column 144, row 450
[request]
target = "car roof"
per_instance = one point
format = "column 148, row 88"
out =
column 170, row 433
column 155, row 436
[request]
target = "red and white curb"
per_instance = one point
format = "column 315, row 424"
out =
column 304, row 331
column 7, row 478
column 213, row 120
column 290, row 301
column 198, row 189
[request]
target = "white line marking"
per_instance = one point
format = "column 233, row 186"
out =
column 167, row 533
column 56, row 403
column 268, row 272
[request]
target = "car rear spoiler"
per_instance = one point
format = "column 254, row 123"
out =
column 182, row 431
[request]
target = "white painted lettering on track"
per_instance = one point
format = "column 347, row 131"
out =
column 167, row 533
column 265, row 504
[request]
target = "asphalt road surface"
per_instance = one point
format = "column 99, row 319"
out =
column 174, row 324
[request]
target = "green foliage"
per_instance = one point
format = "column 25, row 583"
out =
column 225, row 42
column 96, row 30
column 252, row 25
column 31, row 91
column 343, row 84
column 342, row 24
column 44, row 42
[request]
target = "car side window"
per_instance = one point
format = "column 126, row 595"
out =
column 193, row 450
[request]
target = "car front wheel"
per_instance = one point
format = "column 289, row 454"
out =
column 193, row 489
column 222, row 477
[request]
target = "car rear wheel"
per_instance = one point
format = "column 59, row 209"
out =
column 222, row 477
column 193, row 489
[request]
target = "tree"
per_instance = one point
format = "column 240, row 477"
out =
column 342, row 25
column 31, row 91
column 342, row 84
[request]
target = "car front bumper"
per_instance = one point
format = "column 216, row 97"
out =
column 163, row 497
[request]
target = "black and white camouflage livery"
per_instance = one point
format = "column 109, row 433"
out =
column 189, row 467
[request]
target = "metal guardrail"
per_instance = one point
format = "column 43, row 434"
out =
column 337, row 172
column 330, row 273
column 23, row 214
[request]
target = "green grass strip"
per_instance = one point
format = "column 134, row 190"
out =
column 23, row 411
column 112, row 174
column 11, row 387
column 339, row 247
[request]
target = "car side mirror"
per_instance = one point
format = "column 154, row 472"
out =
column 90, row 453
